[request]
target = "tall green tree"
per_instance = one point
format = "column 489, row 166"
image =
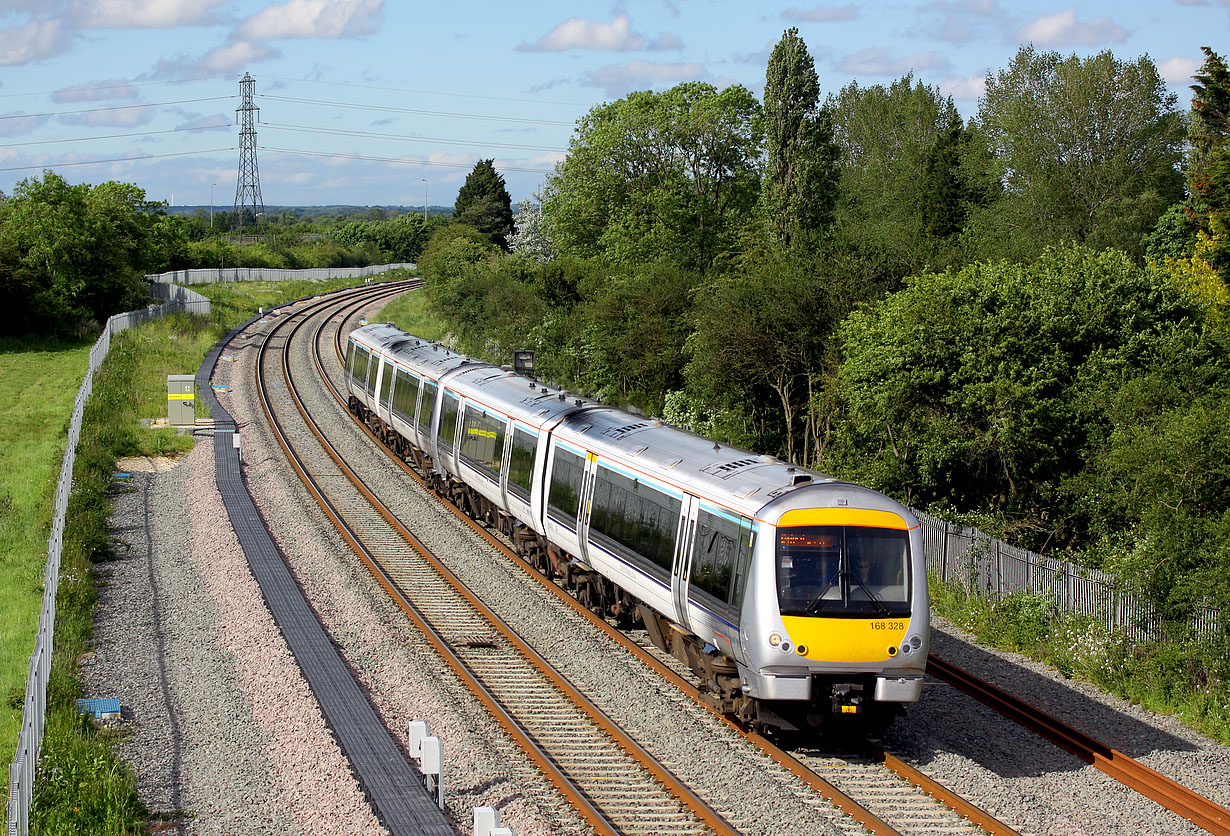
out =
column 1088, row 150
column 887, row 136
column 484, row 203
column 1208, row 162
column 658, row 176
column 799, row 187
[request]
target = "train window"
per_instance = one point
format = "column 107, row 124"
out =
column 521, row 463
column 359, row 366
column 721, row 555
column 404, row 395
column 372, row 368
column 448, row 421
column 843, row 570
column 482, row 440
column 564, row 498
column 632, row 518
column 386, row 383
column 428, row 404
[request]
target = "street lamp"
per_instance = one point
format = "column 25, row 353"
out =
column 211, row 205
column 424, row 200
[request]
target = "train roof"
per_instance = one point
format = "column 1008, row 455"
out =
column 738, row 479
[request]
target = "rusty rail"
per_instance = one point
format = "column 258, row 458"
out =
column 1150, row 783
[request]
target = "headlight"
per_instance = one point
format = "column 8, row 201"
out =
column 775, row 639
column 915, row 642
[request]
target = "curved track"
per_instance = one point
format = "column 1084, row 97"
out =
column 611, row 780
column 883, row 794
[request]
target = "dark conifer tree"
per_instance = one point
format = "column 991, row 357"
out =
column 484, row 203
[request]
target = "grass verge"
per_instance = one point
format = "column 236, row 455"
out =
column 82, row 788
column 1181, row 675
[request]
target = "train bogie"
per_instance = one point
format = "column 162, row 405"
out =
column 794, row 596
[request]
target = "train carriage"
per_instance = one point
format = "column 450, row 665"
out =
column 794, row 596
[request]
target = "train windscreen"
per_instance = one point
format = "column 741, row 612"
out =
column 835, row 570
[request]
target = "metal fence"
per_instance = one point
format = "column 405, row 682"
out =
column 981, row 564
column 34, row 711
column 214, row 275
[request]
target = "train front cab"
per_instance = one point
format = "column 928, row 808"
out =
column 852, row 633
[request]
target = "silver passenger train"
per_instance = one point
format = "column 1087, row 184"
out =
column 798, row 599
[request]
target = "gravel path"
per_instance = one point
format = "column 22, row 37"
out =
column 226, row 739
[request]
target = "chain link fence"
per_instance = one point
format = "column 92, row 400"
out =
column 214, row 275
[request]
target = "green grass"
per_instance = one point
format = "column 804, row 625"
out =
column 38, row 382
column 408, row 312
column 1180, row 675
column 82, row 787
column 235, row 302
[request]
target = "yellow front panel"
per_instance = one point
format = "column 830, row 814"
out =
column 843, row 516
column 846, row 639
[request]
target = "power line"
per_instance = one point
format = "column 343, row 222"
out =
column 116, row 107
column 429, row 92
column 385, row 109
column 400, row 160
column 117, row 159
column 111, row 86
column 116, row 136
column 402, row 137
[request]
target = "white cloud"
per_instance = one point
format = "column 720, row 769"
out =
column 36, row 40
column 962, row 21
column 1063, row 29
column 665, row 42
column 18, row 124
column 313, row 19
column 144, row 14
column 821, row 14
column 234, row 57
column 1178, row 70
column 95, row 91
column 128, row 117
column 618, row 79
column 967, row 89
column 580, row 33
column 879, row 61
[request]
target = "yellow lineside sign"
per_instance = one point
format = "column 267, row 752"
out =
column 181, row 397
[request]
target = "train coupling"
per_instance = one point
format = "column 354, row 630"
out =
column 848, row 698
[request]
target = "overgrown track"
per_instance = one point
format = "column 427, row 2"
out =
column 612, row 781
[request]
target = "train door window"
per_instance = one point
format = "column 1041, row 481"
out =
column 386, row 383
column 564, row 498
column 632, row 518
column 721, row 555
column 404, row 394
column 448, row 421
column 428, row 404
column 482, row 440
column 372, row 368
column 521, row 463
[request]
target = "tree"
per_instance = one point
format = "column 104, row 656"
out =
column 529, row 238
column 1208, row 163
column 799, row 187
column 989, row 387
column 483, row 203
column 1088, row 151
column 658, row 176
column 74, row 255
column 888, row 136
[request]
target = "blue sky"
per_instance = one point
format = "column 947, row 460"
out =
column 370, row 102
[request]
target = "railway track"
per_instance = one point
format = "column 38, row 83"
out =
column 882, row 794
column 615, row 785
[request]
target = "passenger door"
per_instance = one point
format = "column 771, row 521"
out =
column 683, row 560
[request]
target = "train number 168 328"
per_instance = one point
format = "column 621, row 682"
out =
column 888, row 625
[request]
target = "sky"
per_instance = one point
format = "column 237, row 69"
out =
column 388, row 102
